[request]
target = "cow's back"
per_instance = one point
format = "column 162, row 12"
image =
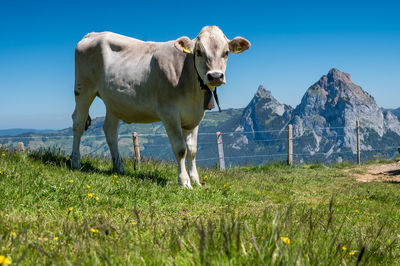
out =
column 100, row 52
column 122, row 70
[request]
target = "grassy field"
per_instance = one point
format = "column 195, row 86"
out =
column 272, row 214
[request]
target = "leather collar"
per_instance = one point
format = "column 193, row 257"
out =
column 208, row 96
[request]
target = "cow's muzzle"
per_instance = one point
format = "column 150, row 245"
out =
column 215, row 78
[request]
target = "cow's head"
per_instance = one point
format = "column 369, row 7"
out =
column 211, row 49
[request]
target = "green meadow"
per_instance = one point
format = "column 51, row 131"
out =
column 260, row 215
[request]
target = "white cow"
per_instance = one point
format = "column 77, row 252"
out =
column 144, row 82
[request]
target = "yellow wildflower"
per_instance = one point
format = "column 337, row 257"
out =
column 258, row 192
column 6, row 214
column 71, row 181
column 62, row 188
column 13, row 234
column 3, row 154
column 87, row 186
column 344, row 248
column 285, row 239
column 224, row 185
column 70, row 209
column 133, row 223
column 90, row 195
column 97, row 198
column 0, row 172
column 367, row 197
column 230, row 186
column 205, row 177
column 356, row 210
column 55, row 238
column 117, row 182
column 94, row 230
column 115, row 176
column 4, row 260
column 351, row 253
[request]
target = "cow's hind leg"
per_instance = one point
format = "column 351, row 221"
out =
column 83, row 100
column 111, row 131
column 191, row 144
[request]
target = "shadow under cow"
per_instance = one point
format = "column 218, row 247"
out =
column 56, row 158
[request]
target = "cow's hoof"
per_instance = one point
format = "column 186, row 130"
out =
column 198, row 183
column 75, row 160
column 75, row 164
column 187, row 185
column 119, row 169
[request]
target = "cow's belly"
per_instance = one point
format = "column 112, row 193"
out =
column 129, row 105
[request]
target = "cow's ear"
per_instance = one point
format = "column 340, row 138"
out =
column 238, row 45
column 184, row 44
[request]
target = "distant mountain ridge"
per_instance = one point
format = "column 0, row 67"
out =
column 323, row 123
column 396, row 112
column 18, row 131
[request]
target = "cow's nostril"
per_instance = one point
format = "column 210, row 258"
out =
column 215, row 76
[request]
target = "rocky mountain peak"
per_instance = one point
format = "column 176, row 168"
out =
column 263, row 112
column 336, row 101
column 335, row 75
column 262, row 92
column 335, row 88
column 263, row 100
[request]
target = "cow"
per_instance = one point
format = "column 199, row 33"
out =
column 145, row 82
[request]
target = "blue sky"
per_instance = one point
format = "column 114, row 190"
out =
column 293, row 44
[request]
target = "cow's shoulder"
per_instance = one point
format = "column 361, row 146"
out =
column 171, row 62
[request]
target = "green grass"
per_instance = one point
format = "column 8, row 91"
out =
column 237, row 217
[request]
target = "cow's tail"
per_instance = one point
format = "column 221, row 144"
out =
column 88, row 122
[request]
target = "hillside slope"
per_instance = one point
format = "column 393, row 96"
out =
column 271, row 214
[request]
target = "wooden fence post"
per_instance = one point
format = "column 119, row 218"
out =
column 21, row 147
column 220, row 152
column 136, row 149
column 290, row 145
column 358, row 142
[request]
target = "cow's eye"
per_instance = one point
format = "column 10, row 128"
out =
column 226, row 54
column 198, row 52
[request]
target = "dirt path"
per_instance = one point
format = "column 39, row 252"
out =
column 378, row 173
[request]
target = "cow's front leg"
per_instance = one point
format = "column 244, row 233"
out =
column 191, row 144
column 173, row 127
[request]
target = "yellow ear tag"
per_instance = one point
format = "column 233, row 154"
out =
column 238, row 49
column 186, row 50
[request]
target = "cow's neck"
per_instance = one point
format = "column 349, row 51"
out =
column 208, row 96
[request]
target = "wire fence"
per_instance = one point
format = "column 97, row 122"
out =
column 239, row 147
